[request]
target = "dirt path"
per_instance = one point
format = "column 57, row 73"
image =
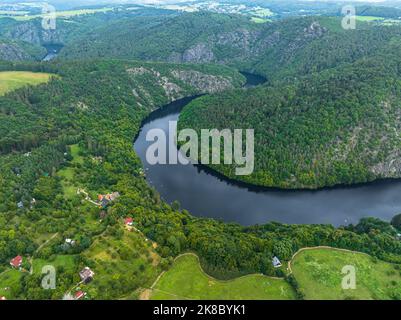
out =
column 30, row 259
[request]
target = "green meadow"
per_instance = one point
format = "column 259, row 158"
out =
column 319, row 275
column 187, row 280
column 10, row 283
column 12, row 80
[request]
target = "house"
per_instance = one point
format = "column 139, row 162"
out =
column 70, row 242
column 16, row 262
column 86, row 275
column 106, row 198
column 20, row 205
column 276, row 262
column 79, row 294
column 128, row 222
column 3, row 298
column 104, row 202
column 17, row 171
column 33, row 202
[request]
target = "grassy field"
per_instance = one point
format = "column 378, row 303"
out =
column 11, row 80
column 10, row 283
column 67, row 173
column 65, row 261
column 186, row 280
column 368, row 18
column 318, row 272
column 260, row 20
column 121, row 264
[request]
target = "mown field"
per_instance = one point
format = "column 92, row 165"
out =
column 11, row 80
column 186, row 280
column 318, row 272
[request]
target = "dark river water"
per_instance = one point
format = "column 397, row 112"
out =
column 52, row 51
column 206, row 194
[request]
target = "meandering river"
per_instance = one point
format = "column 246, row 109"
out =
column 206, row 194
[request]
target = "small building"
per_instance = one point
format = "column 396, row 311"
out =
column 70, row 242
column 276, row 262
column 79, row 295
column 105, row 199
column 33, row 202
column 20, row 205
column 3, row 298
column 16, row 262
column 86, row 275
column 104, row 202
column 128, row 222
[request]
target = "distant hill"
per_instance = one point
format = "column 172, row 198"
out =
column 378, row 11
column 283, row 48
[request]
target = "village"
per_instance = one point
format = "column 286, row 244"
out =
column 86, row 274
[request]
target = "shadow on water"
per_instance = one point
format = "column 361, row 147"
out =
column 207, row 193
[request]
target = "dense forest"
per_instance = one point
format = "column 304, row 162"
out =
column 328, row 116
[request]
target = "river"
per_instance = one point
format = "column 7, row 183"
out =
column 52, row 51
column 206, row 194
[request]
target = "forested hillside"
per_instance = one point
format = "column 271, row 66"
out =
column 83, row 123
column 28, row 36
column 339, row 126
column 283, row 48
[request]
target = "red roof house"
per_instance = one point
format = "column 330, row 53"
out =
column 79, row 294
column 16, row 262
column 128, row 221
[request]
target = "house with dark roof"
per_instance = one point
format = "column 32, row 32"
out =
column 86, row 275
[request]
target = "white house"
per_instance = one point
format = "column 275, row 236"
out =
column 276, row 262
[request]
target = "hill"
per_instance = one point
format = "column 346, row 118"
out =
column 336, row 126
column 318, row 272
